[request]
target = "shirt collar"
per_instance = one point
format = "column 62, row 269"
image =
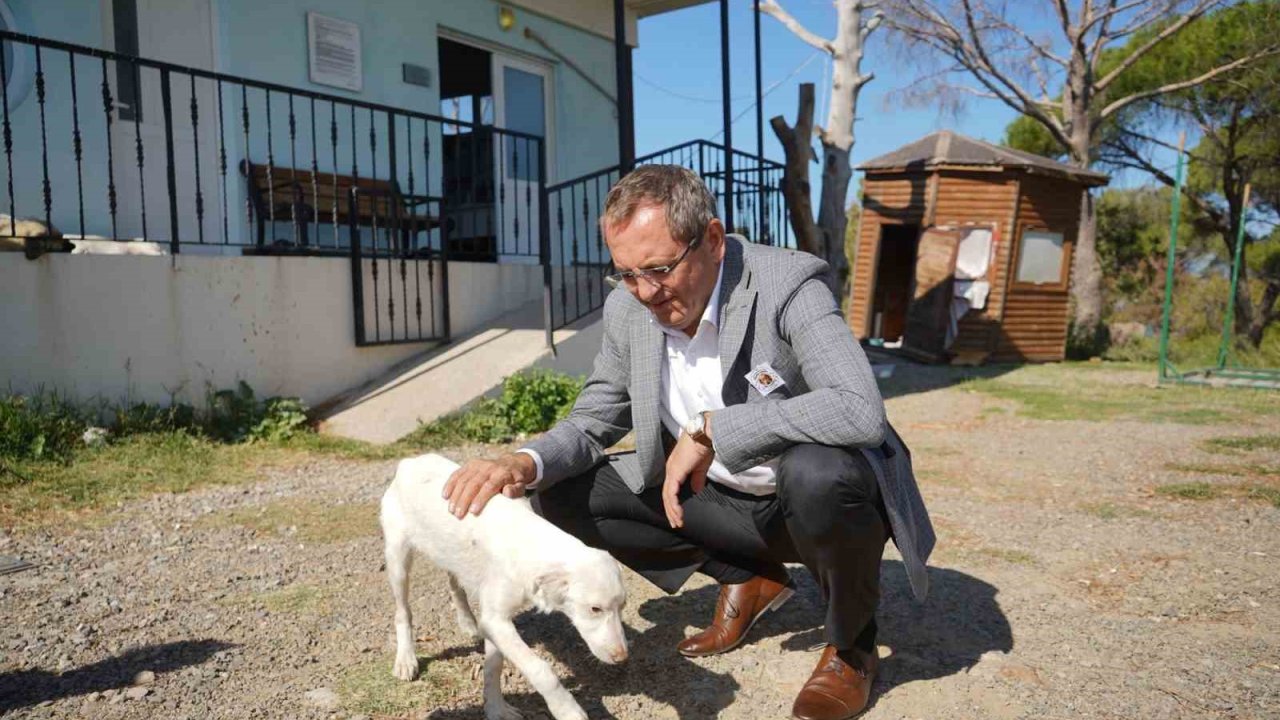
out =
column 711, row 314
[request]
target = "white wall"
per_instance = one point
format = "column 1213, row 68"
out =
column 151, row 327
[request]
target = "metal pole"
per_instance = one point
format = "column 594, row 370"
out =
column 626, row 98
column 1229, row 318
column 728, row 116
column 171, row 176
column 760, row 222
column 1169, row 263
column 544, row 248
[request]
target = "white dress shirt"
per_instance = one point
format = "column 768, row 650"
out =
column 691, row 383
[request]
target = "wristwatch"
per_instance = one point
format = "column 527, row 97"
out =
column 696, row 429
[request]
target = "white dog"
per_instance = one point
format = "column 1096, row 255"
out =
column 506, row 558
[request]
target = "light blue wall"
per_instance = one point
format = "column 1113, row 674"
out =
column 266, row 41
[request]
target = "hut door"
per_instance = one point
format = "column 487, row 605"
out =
column 931, row 299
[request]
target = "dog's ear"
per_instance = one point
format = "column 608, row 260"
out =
column 550, row 588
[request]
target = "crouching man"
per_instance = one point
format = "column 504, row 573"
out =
column 760, row 434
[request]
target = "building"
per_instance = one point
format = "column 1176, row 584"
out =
column 965, row 249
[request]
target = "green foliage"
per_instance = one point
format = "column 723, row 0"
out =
column 1027, row 134
column 141, row 418
column 49, row 428
column 40, row 427
column 237, row 416
column 536, row 400
column 531, row 402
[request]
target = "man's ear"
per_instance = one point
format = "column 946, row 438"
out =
column 550, row 588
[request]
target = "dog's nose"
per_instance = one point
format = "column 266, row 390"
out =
column 619, row 655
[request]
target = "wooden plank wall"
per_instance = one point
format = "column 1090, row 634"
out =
column 980, row 198
column 1034, row 324
column 886, row 198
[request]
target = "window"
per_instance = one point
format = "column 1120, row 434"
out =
column 1040, row 257
column 124, row 21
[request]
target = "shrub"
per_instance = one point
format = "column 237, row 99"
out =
column 237, row 416
column 531, row 402
column 41, row 427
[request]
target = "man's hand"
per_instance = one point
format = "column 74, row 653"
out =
column 689, row 460
column 472, row 485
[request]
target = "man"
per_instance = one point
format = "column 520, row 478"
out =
column 760, row 436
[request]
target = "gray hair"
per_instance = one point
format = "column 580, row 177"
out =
column 688, row 204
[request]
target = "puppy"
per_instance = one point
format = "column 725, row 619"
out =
column 505, row 559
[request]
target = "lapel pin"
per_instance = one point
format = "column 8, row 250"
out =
column 765, row 379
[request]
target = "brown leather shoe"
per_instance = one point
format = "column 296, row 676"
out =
column 738, row 608
column 836, row 690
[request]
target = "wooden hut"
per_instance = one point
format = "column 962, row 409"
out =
column 964, row 251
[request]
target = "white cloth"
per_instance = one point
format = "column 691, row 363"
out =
column 969, row 291
column 691, row 383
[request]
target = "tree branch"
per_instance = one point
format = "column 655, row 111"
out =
column 1123, row 102
column 1128, row 62
column 772, row 8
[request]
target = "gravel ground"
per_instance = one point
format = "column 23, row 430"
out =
column 1063, row 587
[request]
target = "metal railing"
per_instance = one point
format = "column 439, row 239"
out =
column 110, row 147
column 579, row 258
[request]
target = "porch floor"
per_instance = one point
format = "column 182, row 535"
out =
column 445, row 379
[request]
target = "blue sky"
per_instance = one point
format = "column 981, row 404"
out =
column 677, row 82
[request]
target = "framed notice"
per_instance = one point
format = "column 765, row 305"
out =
column 333, row 46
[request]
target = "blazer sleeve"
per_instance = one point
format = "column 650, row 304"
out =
column 602, row 413
column 843, row 407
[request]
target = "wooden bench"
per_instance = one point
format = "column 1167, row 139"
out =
column 281, row 194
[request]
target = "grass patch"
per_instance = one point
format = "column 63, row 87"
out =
column 1190, row 491
column 296, row 599
column 1247, row 470
column 311, row 521
column 135, row 466
column 1251, row 443
column 371, row 689
column 1113, row 511
column 1068, row 392
column 1016, row 557
column 1266, row 493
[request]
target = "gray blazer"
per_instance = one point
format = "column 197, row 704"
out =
column 775, row 308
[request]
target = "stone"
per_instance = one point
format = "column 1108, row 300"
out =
column 146, row 677
column 137, row 693
column 323, row 698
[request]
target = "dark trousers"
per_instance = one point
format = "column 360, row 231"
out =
column 827, row 513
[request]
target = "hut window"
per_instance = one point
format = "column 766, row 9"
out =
column 1040, row 257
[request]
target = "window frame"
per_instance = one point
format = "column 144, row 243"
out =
column 1064, row 270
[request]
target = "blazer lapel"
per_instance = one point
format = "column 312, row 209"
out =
column 737, row 297
column 646, row 369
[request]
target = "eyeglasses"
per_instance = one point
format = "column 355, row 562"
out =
column 655, row 275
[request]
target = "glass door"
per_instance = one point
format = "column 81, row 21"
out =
column 523, row 104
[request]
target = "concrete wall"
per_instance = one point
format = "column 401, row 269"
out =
column 152, row 327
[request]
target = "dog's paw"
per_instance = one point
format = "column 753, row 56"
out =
column 406, row 667
column 501, row 710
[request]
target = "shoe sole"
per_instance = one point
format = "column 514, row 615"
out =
column 774, row 604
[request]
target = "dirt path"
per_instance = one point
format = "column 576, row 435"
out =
column 1064, row 586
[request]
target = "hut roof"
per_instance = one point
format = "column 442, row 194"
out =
column 948, row 148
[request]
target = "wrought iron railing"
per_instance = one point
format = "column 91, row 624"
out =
column 579, row 258
column 110, row 147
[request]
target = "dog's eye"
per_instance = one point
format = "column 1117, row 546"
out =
column 596, row 609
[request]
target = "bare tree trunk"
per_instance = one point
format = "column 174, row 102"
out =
column 826, row 239
column 833, row 215
column 795, row 174
column 1087, row 337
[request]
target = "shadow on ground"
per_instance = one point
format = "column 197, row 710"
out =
column 959, row 622
column 25, row 688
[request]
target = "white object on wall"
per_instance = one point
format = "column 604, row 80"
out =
column 333, row 48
